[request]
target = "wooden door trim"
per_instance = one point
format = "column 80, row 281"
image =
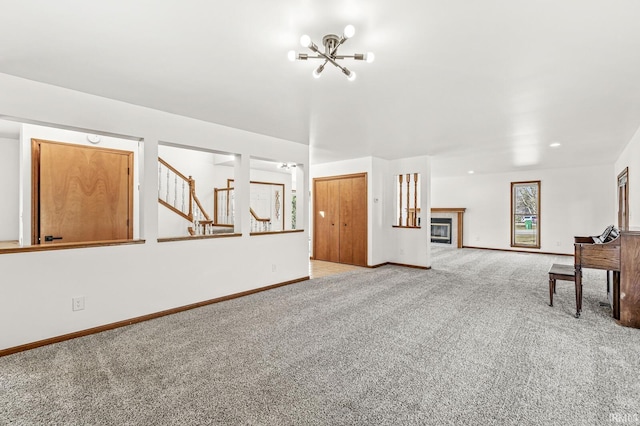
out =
column 355, row 175
column 366, row 212
column 623, row 174
column 35, row 183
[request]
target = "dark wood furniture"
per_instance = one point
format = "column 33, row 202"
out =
column 621, row 255
column 561, row 272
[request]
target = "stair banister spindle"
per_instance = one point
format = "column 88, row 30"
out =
column 415, row 199
column 400, row 198
column 192, row 190
column 167, row 196
column 159, row 179
column 408, row 191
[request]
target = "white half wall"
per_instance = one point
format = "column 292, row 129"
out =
column 128, row 281
column 574, row 201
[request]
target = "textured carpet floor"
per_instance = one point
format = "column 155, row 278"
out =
column 470, row 342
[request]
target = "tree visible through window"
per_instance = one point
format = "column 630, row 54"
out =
column 525, row 214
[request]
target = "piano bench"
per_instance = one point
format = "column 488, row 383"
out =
column 559, row 272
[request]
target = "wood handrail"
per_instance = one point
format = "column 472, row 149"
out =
column 168, row 166
column 176, row 211
column 192, row 198
column 259, row 219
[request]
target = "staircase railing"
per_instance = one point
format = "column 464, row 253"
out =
column 177, row 192
column 259, row 224
column 174, row 190
column 223, row 210
column 223, row 214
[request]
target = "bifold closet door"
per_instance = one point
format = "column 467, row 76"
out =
column 327, row 229
column 340, row 219
column 353, row 221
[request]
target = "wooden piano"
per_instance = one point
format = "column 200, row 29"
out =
column 619, row 252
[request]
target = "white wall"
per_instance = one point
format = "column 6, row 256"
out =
column 575, row 201
column 385, row 243
column 630, row 157
column 9, row 189
column 410, row 246
column 127, row 281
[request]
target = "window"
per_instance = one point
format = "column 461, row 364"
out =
column 525, row 214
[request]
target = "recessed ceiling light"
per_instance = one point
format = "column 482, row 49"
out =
column 554, row 144
column 471, row 172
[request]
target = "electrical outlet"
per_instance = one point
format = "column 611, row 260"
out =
column 77, row 303
column 273, row 267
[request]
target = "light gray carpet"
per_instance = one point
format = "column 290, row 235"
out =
column 470, row 342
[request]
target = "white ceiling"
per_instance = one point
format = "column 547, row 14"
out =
column 483, row 85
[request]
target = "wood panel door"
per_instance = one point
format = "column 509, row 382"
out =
column 358, row 220
column 80, row 193
column 326, row 224
column 340, row 219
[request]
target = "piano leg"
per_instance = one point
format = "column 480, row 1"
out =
column 608, row 291
column 578, row 290
column 616, row 295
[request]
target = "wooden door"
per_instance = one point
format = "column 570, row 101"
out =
column 346, row 220
column 359, row 220
column 340, row 219
column 80, row 193
column 326, row 224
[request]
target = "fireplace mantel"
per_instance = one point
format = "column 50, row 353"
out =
column 460, row 212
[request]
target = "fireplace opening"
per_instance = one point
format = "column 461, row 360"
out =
column 441, row 230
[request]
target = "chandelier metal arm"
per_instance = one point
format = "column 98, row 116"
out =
column 331, row 44
column 329, row 59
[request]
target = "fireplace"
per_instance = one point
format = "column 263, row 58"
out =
column 441, row 230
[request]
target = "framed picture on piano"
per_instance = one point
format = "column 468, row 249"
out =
column 525, row 214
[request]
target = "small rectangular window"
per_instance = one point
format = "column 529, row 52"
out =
column 525, row 214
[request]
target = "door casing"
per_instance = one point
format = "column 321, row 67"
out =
column 91, row 187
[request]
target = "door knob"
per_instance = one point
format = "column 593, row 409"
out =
column 51, row 238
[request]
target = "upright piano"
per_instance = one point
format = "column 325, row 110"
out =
column 619, row 252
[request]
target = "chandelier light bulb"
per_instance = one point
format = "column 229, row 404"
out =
column 349, row 31
column 351, row 76
column 369, row 57
column 317, row 71
column 305, row 41
column 292, row 55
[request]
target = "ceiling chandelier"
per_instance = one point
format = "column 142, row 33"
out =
column 330, row 55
